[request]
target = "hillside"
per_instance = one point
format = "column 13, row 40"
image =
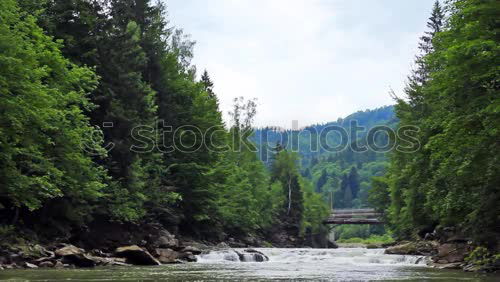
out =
column 338, row 171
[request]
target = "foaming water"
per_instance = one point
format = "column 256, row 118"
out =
column 341, row 256
column 343, row 264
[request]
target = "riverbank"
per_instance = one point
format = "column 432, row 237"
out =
column 118, row 244
column 454, row 253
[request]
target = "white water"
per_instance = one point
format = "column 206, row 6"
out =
column 316, row 264
column 341, row 256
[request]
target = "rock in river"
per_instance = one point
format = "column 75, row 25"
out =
column 73, row 255
column 136, row 255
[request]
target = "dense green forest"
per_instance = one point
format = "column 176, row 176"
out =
column 94, row 96
column 452, row 97
column 341, row 175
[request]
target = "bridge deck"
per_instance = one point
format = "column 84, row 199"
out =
column 354, row 216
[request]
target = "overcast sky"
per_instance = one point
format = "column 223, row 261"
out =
column 311, row 61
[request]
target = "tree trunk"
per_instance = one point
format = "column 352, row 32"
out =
column 289, row 195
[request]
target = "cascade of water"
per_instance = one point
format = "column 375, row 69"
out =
column 355, row 256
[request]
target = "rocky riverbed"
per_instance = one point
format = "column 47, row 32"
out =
column 163, row 248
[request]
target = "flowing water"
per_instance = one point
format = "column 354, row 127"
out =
column 343, row 264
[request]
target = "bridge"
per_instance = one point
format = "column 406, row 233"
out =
column 354, row 216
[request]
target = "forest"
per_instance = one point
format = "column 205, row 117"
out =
column 452, row 96
column 80, row 81
column 95, row 94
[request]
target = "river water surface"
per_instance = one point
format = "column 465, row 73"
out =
column 343, row 264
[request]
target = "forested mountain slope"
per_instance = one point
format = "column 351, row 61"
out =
column 338, row 169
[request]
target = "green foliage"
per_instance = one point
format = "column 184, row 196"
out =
column 453, row 100
column 481, row 256
column 44, row 135
column 358, row 231
column 315, row 210
column 373, row 239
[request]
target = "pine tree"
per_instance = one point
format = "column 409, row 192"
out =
column 208, row 84
column 410, row 173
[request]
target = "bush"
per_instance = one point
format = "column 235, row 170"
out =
column 372, row 240
column 481, row 256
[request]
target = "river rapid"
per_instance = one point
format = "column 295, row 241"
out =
column 342, row 264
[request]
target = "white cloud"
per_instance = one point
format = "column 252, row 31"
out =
column 311, row 61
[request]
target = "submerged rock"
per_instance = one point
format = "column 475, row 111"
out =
column 252, row 255
column 136, row 255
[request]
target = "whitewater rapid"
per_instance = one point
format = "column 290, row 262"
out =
column 340, row 256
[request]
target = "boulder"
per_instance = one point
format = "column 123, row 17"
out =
column 10, row 266
column 80, row 260
column 444, row 265
column 223, row 245
column 58, row 264
column 46, row 263
column 424, row 248
column 191, row 249
column 29, row 265
column 252, row 255
column 452, row 252
column 331, row 244
column 40, row 260
column 136, row 255
column 110, row 261
column 167, row 240
column 68, row 250
column 99, row 253
column 166, row 255
column 187, row 256
column 76, row 256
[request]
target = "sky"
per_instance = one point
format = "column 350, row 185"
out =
column 312, row 61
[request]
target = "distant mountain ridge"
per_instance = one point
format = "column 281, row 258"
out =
column 367, row 119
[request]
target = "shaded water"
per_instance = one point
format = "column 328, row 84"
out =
column 343, row 264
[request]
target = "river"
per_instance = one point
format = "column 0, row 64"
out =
column 343, row 264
